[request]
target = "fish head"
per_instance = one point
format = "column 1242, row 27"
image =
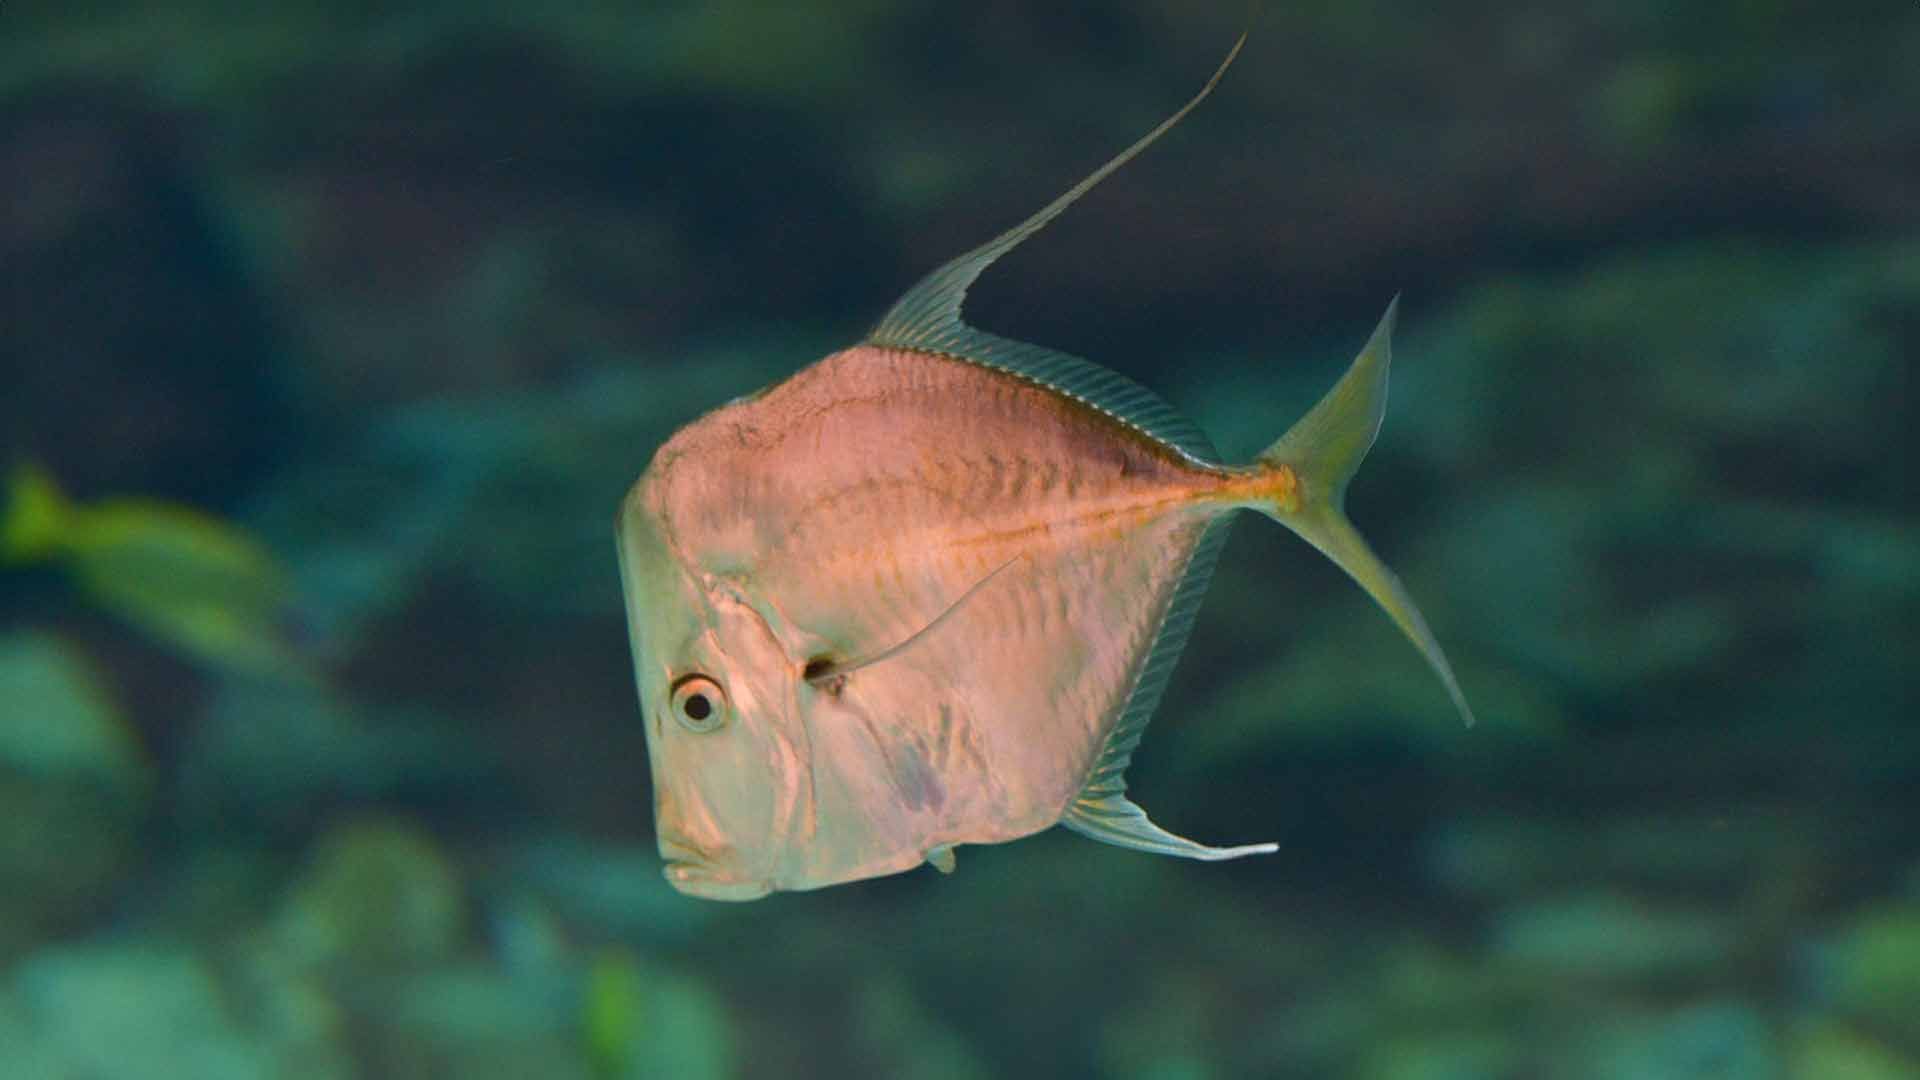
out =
column 715, row 686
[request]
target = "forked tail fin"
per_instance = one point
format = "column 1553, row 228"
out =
column 1322, row 452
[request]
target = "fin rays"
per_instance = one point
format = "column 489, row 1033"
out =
column 1102, row 810
column 928, row 318
column 1327, row 445
column 933, row 306
column 1326, row 448
column 1116, row 820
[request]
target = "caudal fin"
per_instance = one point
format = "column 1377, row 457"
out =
column 1323, row 451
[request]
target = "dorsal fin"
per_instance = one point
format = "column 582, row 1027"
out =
column 928, row 318
column 1102, row 809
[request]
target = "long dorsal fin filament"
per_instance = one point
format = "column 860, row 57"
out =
column 927, row 318
column 933, row 306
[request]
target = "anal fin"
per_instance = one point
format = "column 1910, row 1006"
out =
column 1114, row 819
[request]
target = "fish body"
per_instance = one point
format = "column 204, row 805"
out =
column 926, row 592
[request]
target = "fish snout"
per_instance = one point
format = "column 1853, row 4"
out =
column 704, row 873
column 696, row 880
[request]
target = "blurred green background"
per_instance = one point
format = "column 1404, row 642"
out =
column 400, row 298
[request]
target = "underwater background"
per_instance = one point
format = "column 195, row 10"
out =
column 331, row 335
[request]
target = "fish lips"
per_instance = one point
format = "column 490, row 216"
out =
column 695, row 875
column 695, row 879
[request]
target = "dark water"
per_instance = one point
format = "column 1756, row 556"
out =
column 409, row 296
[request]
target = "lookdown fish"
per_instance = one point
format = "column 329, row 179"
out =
column 927, row 591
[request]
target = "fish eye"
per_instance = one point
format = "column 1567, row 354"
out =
column 699, row 703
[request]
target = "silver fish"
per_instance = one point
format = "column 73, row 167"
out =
column 928, row 590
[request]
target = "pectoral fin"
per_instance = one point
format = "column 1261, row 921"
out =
column 941, row 858
column 1115, row 820
column 823, row 673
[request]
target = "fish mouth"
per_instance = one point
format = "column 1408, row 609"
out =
column 696, row 872
column 698, row 879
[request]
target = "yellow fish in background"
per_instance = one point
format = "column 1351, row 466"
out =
column 928, row 591
column 198, row 584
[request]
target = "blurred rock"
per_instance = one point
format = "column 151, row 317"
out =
column 1871, row 970
column 152, row 1010
column 1551, row 561
column 1716, row 1040
column 26, row 1053
column 1408, row 1008
column 1419, row 985
column 1709, row 346
column 523, row 933
column 901, row 1037
column 60, row 722
column 74, row 791
column 211, row 885
column 376, row 894
column 642, row 1021
column 280, row 757
column 1609, row 937
column 1504, row 857
column 1823, row 1050
column 465, row 1021
column 1446, row 1056
column 1351, row 681
column 1322, row 1035
column 1705, row 444
column 607, row 890
column 1168, row 1031
column 1508, row 857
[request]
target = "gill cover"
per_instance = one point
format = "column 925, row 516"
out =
column 728, row 777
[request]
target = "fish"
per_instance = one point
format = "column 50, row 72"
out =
column 205, row 588
column 929, row 590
